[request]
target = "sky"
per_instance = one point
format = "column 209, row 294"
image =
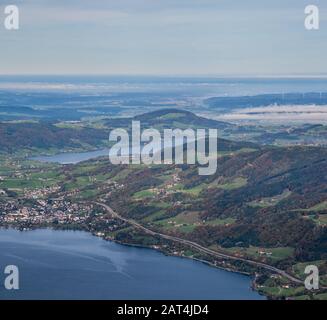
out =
column 164, row 37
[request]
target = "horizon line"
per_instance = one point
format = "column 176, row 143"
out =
column 240, row 76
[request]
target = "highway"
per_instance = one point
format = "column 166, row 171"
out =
column 200, row 248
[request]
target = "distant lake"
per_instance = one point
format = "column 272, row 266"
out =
column 76, row 157
column 77, row 265
column 72, row 157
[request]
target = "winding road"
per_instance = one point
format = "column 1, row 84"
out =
column 199, row 247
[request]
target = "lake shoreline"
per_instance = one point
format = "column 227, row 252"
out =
column 61, row 158
column 165, row 253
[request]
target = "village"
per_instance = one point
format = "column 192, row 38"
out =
column 43, row 213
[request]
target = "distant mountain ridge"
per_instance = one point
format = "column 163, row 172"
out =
column 47, row 135
column 17, row 136
column 170, row 118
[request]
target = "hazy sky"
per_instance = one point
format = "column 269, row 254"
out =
column 186, row 37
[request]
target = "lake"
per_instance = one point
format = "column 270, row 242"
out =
column 72, row 157
column 77, row 265
column 76, row 157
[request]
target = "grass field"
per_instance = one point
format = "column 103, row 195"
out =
column 78, row 183
column 318, row 207
column 184, row 222
column 282, row 292
column 235, row 184
column 220, row 222
column 121, row 175
column 172, row 115
column 320, row 296
column 187, row 221
column 143, row 194
column 320, row 219
column 196, row 190
column 266, row 254
column 84, row 169
column 87, row 194
column 31, row 181
column 299, row 268
column 271, row 201
column 154, row 216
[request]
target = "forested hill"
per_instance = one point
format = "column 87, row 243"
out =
column 170, row 118
column 267, row 198
column 49, row 135
column 17, row 136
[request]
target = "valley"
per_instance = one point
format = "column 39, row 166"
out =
column 265, row 205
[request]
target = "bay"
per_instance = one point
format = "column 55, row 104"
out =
column 76, row 265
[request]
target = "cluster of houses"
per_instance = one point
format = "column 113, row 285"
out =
column 43, row 212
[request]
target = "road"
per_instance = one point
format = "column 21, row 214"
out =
column 199, row 247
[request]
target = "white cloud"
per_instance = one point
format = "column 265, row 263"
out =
column 279, row 113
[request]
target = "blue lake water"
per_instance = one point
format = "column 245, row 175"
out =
column 76, row 157
column 77, row 265
column 72, row 157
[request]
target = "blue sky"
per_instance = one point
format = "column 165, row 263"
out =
column 164, row 37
